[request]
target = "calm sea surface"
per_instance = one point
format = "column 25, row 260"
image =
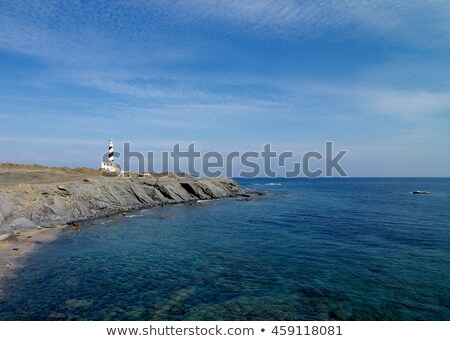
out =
column 324, row 249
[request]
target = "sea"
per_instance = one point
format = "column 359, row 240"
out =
column 311, row 249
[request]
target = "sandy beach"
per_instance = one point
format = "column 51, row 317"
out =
column 15, row 248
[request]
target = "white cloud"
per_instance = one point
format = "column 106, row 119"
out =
column 409, row 105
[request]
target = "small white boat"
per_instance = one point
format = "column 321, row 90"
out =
column 421, row 192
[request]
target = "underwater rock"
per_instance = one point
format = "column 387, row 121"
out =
column 74, row 303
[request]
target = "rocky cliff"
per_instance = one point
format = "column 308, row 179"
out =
column 25, row 206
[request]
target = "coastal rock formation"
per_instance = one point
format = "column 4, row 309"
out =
column 26, row 206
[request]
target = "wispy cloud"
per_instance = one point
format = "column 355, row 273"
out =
column 101, row 33
column 51, row 141
column 409, row 105
column 422, row 20
column 362, row 100
column 47, row 28
column 221, row 71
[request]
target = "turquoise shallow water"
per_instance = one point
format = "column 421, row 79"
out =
column 323, row 249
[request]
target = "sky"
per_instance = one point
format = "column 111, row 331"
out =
column 371, row 76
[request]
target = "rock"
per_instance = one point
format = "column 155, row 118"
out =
column 58, row 316
column 60, row 209
column 22, row 223
column 4, row 236
column 78, row 303
column 176, row 310
column 76, row 225
column 245, row 199
column 25, row 206
column 71, row 282
column 5, row 206
column 62, row 191
column 134, row 313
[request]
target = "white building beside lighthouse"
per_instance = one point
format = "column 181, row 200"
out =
column 110, row 165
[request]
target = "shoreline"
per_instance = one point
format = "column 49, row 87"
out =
column 15, row 248
column 37, row 203
column 28, row 206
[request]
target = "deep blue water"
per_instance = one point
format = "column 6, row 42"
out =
column 323, row 249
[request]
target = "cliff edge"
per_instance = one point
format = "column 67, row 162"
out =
column 36, row 196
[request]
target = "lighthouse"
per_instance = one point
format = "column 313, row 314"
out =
column 110, row 151
column 110, row 165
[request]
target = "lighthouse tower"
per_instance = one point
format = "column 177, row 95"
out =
column 109, row 165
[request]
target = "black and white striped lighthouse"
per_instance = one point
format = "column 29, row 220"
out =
column 109, row 165
column 111, row 151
